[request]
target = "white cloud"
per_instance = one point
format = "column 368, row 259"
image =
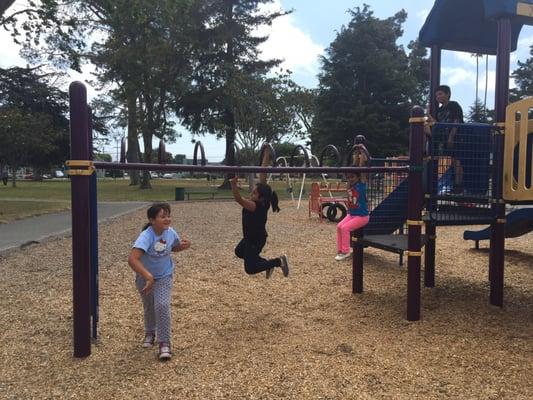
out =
column 456, row 75
column 422, row 15
column 288, row 42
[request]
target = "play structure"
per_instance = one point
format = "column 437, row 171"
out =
column 495, row 160
column 403, row 198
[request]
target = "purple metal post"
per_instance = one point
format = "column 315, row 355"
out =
column 81, row 273
column 431, row 228
column 434, row 76
column 497, row 237
column 357, row 262
column 414, row 213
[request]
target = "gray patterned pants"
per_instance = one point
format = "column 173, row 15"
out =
column 156, row 306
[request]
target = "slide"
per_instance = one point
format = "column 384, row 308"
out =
column 517, row 223
column 391, row 213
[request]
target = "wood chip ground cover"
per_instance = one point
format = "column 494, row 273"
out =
column 242, row 337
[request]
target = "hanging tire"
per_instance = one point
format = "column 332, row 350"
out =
column 324, row 209
column 336, row 212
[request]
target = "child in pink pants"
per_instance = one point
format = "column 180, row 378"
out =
column 357, row 216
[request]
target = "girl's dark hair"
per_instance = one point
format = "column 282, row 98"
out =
column 154, row 209
column 268, row 196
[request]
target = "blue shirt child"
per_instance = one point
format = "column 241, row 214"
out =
column 157, row 249
column 357, row 205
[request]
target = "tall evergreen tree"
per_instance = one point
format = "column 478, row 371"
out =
column 523, row 77
column 228, row 58
column 478, row 113
column 366, row 85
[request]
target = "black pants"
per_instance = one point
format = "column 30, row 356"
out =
column 250, row 251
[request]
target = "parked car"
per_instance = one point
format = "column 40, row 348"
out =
column 168, row 176
column 59, row 174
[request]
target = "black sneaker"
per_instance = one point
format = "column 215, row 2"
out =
column 284, row 265
column 149, row 339
column 269, row 272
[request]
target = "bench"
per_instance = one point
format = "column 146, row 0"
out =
column 207, row 194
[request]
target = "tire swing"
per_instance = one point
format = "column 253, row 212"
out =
column 324, row 209
column 335, row 210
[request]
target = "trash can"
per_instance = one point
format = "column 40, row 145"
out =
column 180, row 194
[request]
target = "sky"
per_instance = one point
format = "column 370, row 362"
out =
column 302, row 36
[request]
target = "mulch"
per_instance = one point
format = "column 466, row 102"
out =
column 245, row 337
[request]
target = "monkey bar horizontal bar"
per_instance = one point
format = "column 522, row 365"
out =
column 243, row 169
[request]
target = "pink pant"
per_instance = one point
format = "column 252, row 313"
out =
column 348, row 224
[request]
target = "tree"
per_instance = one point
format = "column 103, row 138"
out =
column 523, row 77
column 33, row 127
column 478, row 113
column 140, row 49
column 228, row 56
column 418, row 70
column 367, row 85
column 262, row 112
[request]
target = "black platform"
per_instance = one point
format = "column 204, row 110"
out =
column 460, row 215
column 393, row 243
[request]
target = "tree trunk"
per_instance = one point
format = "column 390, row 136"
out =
column 229, row 121
column 132, row 154
column 145, row 178
column 13, row 174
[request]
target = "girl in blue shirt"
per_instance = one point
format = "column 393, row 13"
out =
column 150, row 259
column 357, row 215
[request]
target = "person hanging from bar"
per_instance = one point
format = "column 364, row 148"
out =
column 254, row 218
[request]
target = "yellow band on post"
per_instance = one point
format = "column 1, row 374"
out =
column 501, row 221
column 412, row 222
column 414, row 120
column 413, row 253
column 72, row 170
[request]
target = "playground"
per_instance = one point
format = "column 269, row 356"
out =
column 242, row 337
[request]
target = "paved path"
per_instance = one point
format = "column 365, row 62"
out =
column 19, row 233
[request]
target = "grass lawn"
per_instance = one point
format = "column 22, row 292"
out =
column 33, row 198
column 11, row 210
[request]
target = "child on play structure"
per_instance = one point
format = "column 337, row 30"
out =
column 150, row 259
column 254, row 218
column 357, row 216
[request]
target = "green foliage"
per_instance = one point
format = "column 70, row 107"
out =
column 103, row 157
column 33, row 125
column 478, row 113
column 229, row 67
column 368, row 85
column 523, row 77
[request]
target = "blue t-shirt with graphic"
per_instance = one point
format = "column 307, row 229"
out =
column 357, row 204
column 157, row 250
